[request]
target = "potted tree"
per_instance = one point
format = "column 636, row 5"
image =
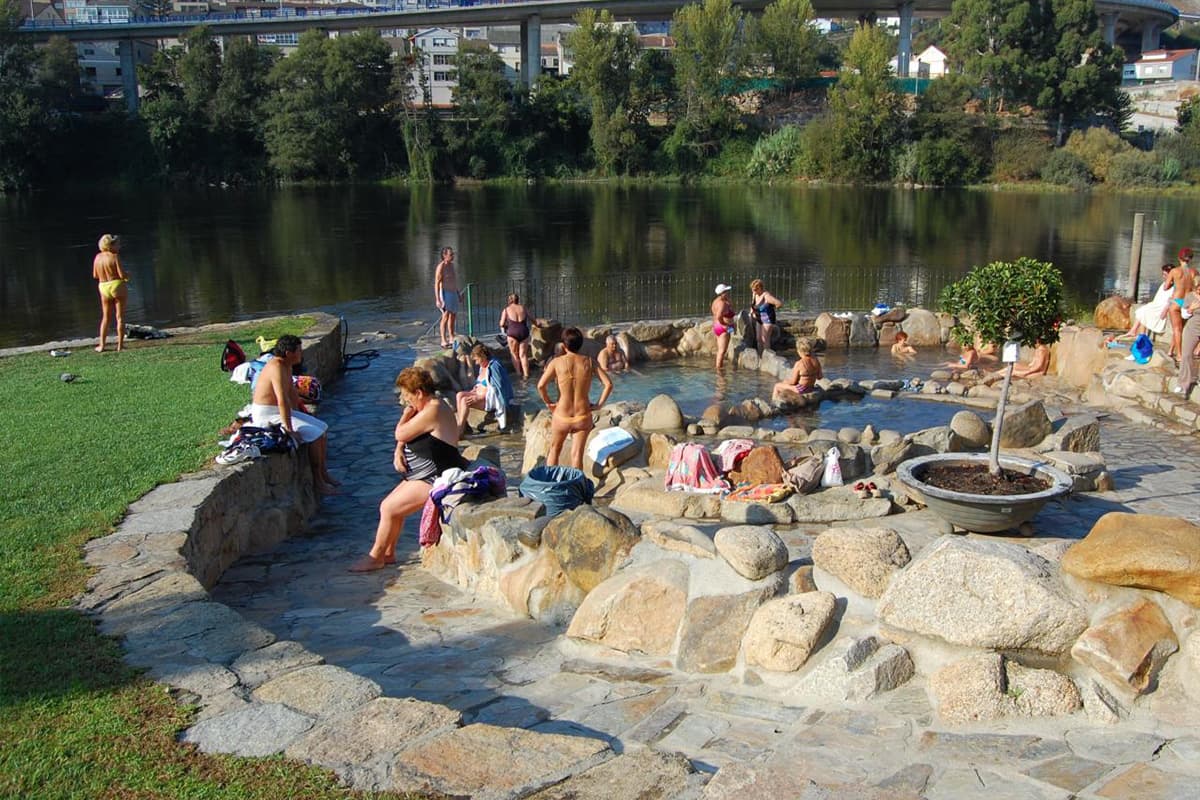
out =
column 1003, row 303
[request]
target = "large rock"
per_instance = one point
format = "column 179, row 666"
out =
column 539, row 588
column 662, row 414
column 635, row 611
column 971, row 429
column 658, row 450
column 648, row 496
column 1129, row 646
column 659, row 332
column 613, row 460
column 886, row 457
column 590, row 542
column 940, row 439
column 864, row 559
column 1025, row 425
column 679, row 538
column 784, row 631
column 713, row 626
column 862, row 331
column 1079, row 433
column 1112, row 314
column 989, row 686
column 835, row 331
column 761, row 465
column 836, row 505
column 752, row 550
column 1141, row 550
column 987, row 594
column 858, row 669
column 537, row 441
column 922, row 327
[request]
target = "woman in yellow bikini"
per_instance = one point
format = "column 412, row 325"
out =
column 106, row 268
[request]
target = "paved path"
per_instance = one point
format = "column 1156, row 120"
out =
column 418, row 637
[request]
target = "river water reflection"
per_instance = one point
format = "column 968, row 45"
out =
column 214, row 255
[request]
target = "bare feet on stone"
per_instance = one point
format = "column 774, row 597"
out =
column 369, row 563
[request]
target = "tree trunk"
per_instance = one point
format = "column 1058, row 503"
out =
column 994, row 460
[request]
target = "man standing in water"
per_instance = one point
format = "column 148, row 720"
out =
column 274, row 401
column 572, row 414
column 445, row 294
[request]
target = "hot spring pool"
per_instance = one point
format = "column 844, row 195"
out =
column 695, row 386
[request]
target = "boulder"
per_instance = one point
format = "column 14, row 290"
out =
column 835, row 505
column 660, row 332
column 662, row 414
column 1079, row 433
column 698, row 340
column 1140, row 550
column 988, row 686
column 862, row 331
column 752, row 550
column 543, row 337
column 980, row 593
column 802, row 580
column 715, row 414
column 886, row 457
column 658, row 450
column 941, row 439
column 1025, row 425
column 747, row 359
column 852, row 458
column 1079, row 355
column 862, row 558
column 849, row 435
column 648, row 496
column 1112, row 314
column 635, row 611
column 1129, row 646
column 971, row 429
column 887, row 334
column 540, row 589
column 679, row 538
column 590, row 542
column 537, row 441
column 783, row 632
column 922, row 327
column 857, row 669
column 761, row 465
column 713, row 624
column 835, row 331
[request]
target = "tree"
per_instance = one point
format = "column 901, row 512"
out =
column 488, row 106
column 1005, row 301
column 21, row 115
column 603, row 73
column 420, row 127
column 864, row 109
column 996, row 42
column 58, row 73
column 239, row 107
column 708, row 57
column 950, row 146
column 785, row 42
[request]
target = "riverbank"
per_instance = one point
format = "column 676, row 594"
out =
column 79, row 722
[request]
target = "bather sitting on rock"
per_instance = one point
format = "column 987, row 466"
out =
column 425, row 448
column 804, row 375
column 1039, row 364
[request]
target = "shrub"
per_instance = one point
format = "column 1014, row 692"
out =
column 775, row 155
column 1064, row 168
column 818, row 149
column 943, row 162
column 1135, row 168
column 1019, row 155
column 1097, row 147
column 1182, row 149
column 906, row 163
column 733, row 159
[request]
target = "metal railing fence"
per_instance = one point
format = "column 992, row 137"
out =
column 588, row 301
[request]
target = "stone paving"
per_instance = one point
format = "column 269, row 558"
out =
column 419, row 638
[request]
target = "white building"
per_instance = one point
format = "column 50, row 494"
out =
column 931, row 63
column 1164, row 65
column 434, row 51
column 97, row 11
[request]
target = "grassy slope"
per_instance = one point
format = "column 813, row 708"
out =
column 75, row 722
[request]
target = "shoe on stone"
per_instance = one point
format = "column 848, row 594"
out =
column 239, row 453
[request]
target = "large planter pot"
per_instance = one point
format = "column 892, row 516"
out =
column 982, row 513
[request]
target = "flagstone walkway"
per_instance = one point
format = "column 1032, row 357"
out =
column 417, row 637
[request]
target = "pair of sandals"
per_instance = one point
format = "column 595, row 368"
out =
column 864, row 490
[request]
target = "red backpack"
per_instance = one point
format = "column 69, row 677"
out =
column 232, row 356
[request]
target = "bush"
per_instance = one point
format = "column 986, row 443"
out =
column 732, row 161
column 1064, row 168
column 906, row 163
column 1019, row 155
column 818, row 149
column 775, row 155
column 1135, row 168
column 1182, row 149
column 1097, row 147
column 943, row 162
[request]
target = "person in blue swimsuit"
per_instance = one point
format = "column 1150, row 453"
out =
column 764, row 304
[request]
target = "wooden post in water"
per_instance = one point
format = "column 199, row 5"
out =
column 1135, row 256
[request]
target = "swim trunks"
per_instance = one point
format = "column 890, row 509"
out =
column 109, row 288
column 449, row 301
column 308, row 428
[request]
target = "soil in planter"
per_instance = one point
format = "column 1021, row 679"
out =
column 975, row 479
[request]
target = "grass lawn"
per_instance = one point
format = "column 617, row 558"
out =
column 75, row 722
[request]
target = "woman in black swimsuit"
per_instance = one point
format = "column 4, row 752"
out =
column 514, row 321
column 425, row 447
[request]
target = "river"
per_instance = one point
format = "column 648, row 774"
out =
column 213, row 255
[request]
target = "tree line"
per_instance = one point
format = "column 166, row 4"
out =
column 1037, row 97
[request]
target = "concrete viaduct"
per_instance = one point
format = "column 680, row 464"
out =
column 1123, row 19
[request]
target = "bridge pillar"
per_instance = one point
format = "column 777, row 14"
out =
column 1150, row 34
column 904, row 52
column 531, row 49
column 129, row 80
column 1108, row 23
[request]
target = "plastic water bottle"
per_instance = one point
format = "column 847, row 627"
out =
column 60, row 353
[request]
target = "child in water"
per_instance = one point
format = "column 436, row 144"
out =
column 901, row 348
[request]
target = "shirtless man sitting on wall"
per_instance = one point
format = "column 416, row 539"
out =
column 573, row 411
column 274, row 401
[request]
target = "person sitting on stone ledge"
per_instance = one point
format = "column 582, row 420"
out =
column 805, row 373
column 426, row 436
column 275, row 399
column 1039, row 364
column 492, row 391
column 968, row 358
